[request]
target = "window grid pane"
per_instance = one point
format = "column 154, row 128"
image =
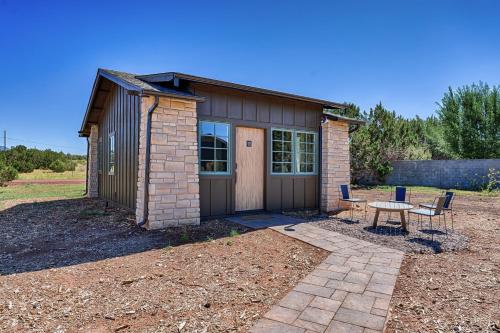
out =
column 282, row 151
column 306, row 157
column 111, row 153
column 214, row 147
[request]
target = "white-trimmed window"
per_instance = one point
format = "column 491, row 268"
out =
column 306, row 152
column 99, row 155
column 111, row 153
column 293, row 152
column 214, row 147
column 282, row 151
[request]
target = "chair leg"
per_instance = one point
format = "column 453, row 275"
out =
column 366, row 203
column 439, row 221
column 352, row 210
column 451, row 212
column 445, row 227
column 408, row 224
column 430, row 222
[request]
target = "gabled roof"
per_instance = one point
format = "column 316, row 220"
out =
column 158, row 84
column 175, row 76
column 129, row 82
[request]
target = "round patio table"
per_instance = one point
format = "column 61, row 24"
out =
column 386, row 206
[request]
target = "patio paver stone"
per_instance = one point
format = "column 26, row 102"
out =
column 349, row 291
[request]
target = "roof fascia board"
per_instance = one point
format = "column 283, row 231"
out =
column 155, row 78
column 112, row 78
column 178, row 96
column 120, row 82
column 336, row 117
column 256, row 90
column 89, row 104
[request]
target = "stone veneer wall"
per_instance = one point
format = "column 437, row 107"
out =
column 335, row 162
column 92, row 179
column 174, row 198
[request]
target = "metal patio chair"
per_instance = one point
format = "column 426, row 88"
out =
column 430, row 212
column 448, row 205
column 345, row 195
column 401, row 195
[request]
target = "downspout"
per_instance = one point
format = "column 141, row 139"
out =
column 147, row 161
column 87, row 168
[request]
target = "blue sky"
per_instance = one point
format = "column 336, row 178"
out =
column 402, row 53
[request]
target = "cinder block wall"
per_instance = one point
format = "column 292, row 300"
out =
column 461, row 174
column 174, row 198
column 92, row 180
column 335, row 162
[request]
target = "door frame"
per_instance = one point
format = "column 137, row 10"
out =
column 264, row 170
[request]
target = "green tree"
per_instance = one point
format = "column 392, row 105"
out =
column 470, row 117
column 7, row 173
column 385, row 137
column 57, row 166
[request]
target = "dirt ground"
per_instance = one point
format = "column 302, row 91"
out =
column 74, row 266
column 452, row 291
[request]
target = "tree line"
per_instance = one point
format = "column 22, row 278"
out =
column 466, row 126
column 20, row 159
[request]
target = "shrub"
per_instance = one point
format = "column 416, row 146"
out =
column 57, row 166
column 70, row 165
column 26, row 160
column 493, row 183
column 7, row 173
column 234, row 233
column 184, row 236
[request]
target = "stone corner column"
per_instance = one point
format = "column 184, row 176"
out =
column 335, row 162
column 93, row 168
column 174, row 195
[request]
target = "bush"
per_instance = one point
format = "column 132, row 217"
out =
column 7, row 173
column 57, row 166
column 70, row 165
column 26, row 160
column 493, row 183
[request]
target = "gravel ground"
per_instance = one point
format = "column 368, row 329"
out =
column 456, row 291
column 420, row 239
column 74, row 266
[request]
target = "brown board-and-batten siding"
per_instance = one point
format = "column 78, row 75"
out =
column 240, row 108
column 121, row 116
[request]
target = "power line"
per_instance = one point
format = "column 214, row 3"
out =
column 42, row 143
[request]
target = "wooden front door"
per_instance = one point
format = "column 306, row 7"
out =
column 249, row 168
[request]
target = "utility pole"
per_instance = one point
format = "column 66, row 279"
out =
column 4, row 139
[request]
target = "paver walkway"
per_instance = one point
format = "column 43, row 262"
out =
column 349, row 291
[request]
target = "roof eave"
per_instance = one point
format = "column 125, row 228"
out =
column 131, row 89
column 103, row 73
column 336, row 117
column 170, row 76
column 145, row 92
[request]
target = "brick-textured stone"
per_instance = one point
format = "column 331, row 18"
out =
column 174, row 198
column 352, row 300
column 335, row 162
column 92, row 179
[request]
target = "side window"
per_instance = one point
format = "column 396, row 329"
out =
column 214, row 147
column 282, row 151
column 111, row 153
column 306, row 152
column 99, row 155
